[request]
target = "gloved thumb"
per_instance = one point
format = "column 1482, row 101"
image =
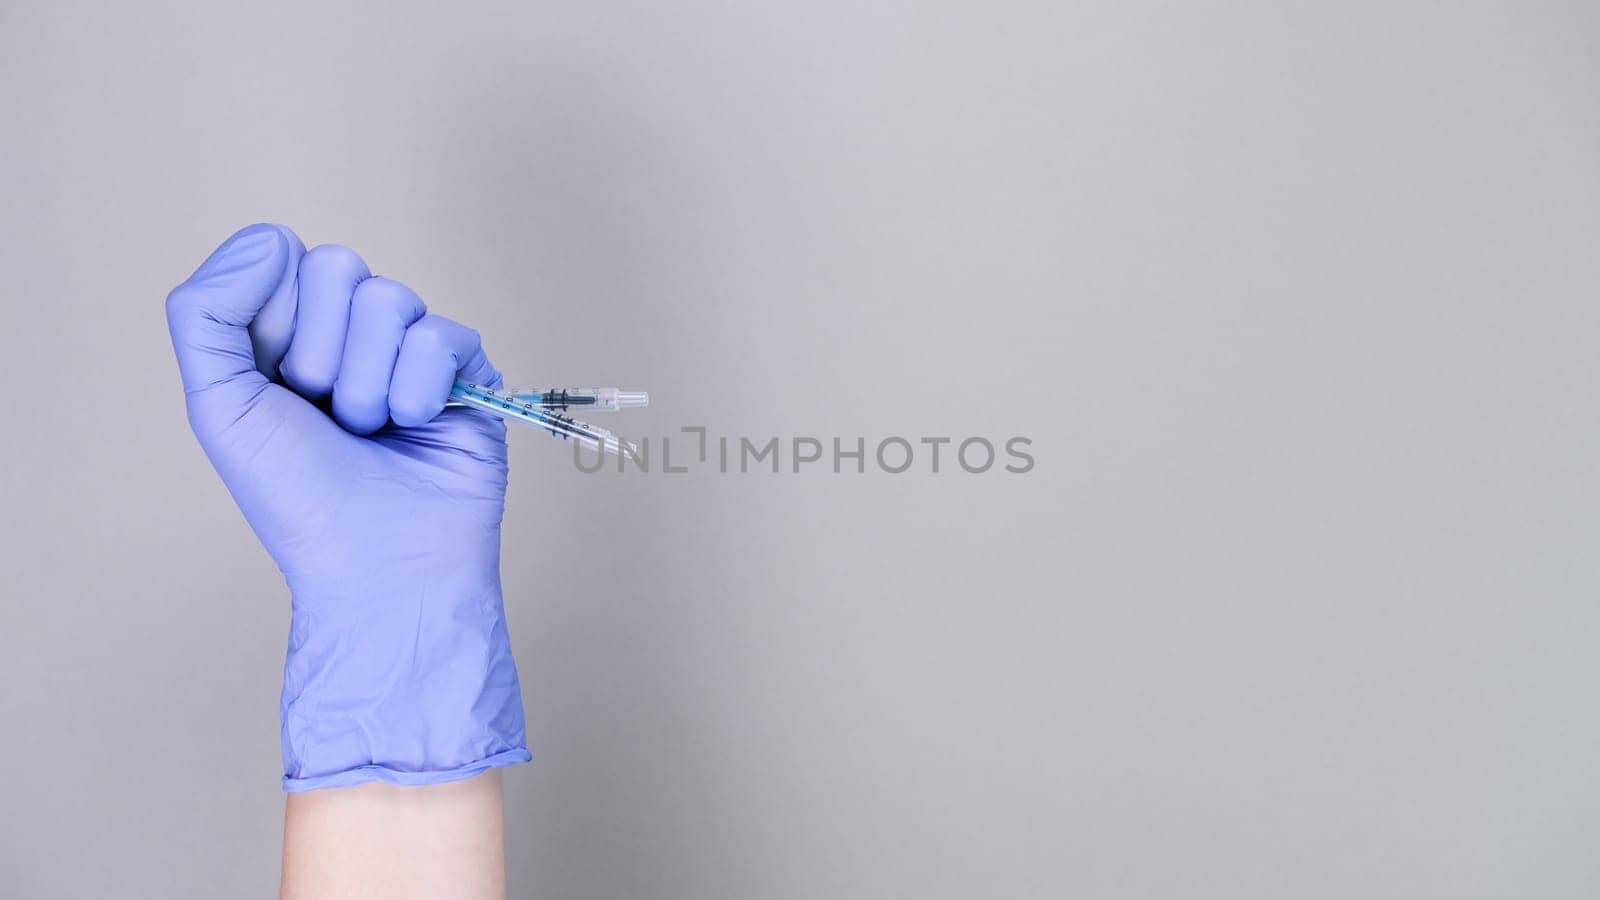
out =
column 232, row 319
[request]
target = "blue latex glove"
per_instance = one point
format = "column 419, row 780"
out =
column 383, row 511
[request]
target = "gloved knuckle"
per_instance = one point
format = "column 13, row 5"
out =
column 179, row 300
column 426, row 335
column 382, row 294
column 334, row 256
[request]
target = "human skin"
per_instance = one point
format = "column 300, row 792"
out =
column 439, row 841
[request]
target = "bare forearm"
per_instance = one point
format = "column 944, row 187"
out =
column 440, row 841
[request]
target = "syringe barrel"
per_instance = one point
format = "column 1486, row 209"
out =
column 608, row 399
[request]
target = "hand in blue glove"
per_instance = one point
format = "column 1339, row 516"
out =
column 318, row 392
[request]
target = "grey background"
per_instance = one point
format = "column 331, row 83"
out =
column 1296, row 300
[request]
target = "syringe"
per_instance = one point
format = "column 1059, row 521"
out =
column 609, row 399
column 507, row 406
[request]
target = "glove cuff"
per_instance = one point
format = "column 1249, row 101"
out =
column 363, row 774
column 414, row 687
